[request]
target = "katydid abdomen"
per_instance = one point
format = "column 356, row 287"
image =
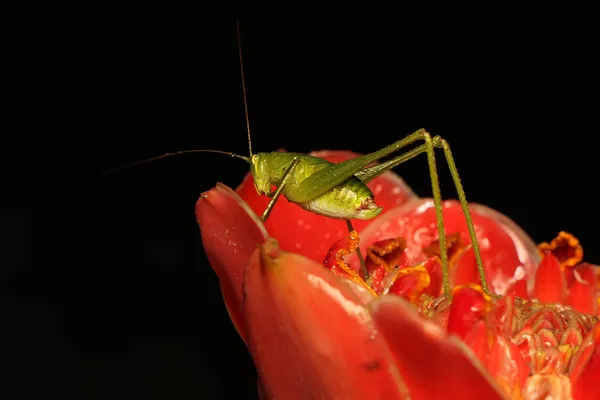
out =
column 351, row 199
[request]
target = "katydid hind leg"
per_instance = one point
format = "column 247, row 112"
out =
column 368, row 174
column 331, row 176
column 439, row 215
column 441, row 143
column 371, row 173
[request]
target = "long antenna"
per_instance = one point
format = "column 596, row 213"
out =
column 239, row 40
column 110, row 171
column 247, row 159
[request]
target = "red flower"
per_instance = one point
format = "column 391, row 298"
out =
column 314, row 333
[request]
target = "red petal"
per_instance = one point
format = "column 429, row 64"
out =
column 588, row 272
column 550, row 284
column 309, row 334
column 230, row 234
column 410, row 282
column 309, row 234
column 506, row 363
column 468, row 307
column 518, row 288
column 434, row 268
column 582, row 295
column 504, row 246
column 529, row 344
column 501, row 317
column 433, row 365
column 585, row 371
column 478, row 341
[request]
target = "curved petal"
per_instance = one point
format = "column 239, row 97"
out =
column 586, row 368
column 504, row 246
column 550, row 283
column 309, row 234
column 433, row 365
column 309, row 334
column 230, row 234
column 583, row 290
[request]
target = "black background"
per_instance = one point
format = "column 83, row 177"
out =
column 107, row 293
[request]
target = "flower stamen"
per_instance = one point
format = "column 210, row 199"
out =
column 455, row 246
column 410, row 282
column 565, row 247
column 334, row 260
column 386, row 252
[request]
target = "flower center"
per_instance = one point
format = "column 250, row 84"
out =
column 534, row 345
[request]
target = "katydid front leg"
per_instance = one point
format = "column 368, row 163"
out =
column 278, row 191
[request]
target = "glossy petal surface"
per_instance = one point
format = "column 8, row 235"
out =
column 310, row 335
column 586, row 375
column 504, row 246
column 309, row 234
column 550, row 283
column 433, row 365
column 230, row 234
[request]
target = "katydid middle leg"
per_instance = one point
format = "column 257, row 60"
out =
column 361, row 259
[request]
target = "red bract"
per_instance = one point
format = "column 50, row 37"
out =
column 319, row 330
column 309, row 234
column 230, row 234
column 308, row 330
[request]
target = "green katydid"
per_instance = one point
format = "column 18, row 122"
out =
column 340, row 190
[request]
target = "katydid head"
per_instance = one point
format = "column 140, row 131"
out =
column 260, row 173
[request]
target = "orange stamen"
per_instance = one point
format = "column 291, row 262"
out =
column 565, row 247
column 415, row 287
column 334, row 260
column 475, row 286
column 455, row 246
column 378, row 252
